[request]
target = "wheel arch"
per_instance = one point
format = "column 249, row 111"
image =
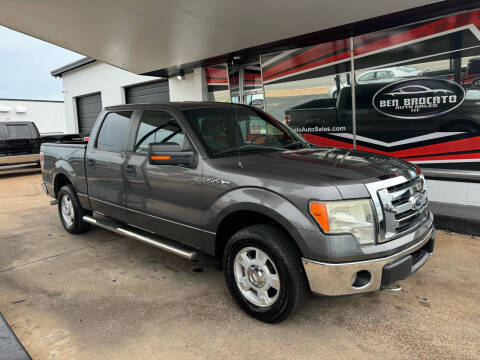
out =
column 262, row 207
column 59, row 181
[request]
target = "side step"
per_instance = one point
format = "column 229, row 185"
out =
column 160, row 243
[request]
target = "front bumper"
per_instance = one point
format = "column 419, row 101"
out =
column 369, row 275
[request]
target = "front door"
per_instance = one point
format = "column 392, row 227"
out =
column 163, row 199
column 105, row 166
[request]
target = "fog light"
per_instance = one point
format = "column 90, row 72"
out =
column 362, row 279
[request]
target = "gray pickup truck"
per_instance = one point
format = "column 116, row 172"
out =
column 285, row 217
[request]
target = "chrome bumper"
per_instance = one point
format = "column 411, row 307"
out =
column 342, row 278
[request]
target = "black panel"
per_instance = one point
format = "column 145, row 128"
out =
column 148, row 93
column 88, row 108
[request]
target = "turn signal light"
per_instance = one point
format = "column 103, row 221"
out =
column 319, row 212
column 160, row 157
column 42, row 160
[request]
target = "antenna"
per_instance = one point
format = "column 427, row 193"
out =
column 237, row 136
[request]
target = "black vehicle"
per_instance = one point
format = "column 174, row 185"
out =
column 20, row 142
column 462, row 116
column 229, row 180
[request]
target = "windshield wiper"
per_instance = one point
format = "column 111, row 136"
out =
column 294, row 144
column 247, row 148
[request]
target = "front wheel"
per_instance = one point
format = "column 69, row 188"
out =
column 264, row 274
column 71, row 212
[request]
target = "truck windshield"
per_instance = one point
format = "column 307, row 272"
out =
column 224, row 130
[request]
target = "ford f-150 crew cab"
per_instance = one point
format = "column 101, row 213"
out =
column 229, row 180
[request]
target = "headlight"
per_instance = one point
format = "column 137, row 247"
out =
column 351, row 216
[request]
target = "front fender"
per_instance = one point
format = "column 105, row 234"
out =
column 265, row 202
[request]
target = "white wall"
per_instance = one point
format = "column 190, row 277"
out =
column 453, row 192
column 111, row 81
column 192, row 88
column 48, row 116
column 92, row 78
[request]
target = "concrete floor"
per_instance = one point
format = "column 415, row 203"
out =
column 102, row 296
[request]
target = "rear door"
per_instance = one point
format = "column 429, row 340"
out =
column 105, row 165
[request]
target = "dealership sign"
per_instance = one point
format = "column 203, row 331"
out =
column 418, row 98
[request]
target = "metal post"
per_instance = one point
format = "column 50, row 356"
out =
column 352, row 86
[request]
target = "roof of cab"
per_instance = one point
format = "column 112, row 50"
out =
column 180, row 105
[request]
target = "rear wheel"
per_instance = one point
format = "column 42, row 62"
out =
column 264, row 274
column 71, row 212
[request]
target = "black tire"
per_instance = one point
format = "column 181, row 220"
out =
column 77, row 225
column 278, row 246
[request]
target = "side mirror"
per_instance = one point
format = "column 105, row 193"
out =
column 169, row 154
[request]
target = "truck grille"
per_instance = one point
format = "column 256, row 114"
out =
column 400, row 204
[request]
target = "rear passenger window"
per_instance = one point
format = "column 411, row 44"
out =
column 113, row 130
column 157, row 127
column 18, row 131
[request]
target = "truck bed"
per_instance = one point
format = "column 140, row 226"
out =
column 69, row 157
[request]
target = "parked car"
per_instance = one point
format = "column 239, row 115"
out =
column 20, row 142
column 285, row 217
column 380, row 75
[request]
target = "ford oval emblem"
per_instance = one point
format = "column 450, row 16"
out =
column 418, row 98
column 416, row 201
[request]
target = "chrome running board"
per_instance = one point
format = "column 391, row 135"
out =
column 160, row 243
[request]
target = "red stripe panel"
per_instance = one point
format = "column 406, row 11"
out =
column 435, row 27
column 306, row 56
column 446, row 157
column 295, row 63
column 216, row 81
column 331, row 59
column 448, row 146
column 218, row 73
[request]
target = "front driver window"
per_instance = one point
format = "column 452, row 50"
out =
column 157, row 127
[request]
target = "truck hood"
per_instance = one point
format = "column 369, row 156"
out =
column 331, row 165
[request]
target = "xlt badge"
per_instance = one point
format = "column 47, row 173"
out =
column 209, row 180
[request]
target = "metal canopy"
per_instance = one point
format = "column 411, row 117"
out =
column 147, row 35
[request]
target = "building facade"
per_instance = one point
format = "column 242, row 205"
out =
column 89, row 86
column 48, row 116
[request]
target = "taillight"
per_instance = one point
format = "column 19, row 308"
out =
column 41, row 160
column 86, row 138
column 288, row 118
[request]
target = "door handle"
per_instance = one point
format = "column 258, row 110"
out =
column 131, row 171
column 91, row 162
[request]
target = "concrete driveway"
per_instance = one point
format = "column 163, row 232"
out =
column 102, row 296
